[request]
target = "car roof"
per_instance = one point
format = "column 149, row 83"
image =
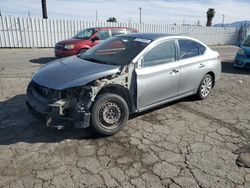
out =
column 149, row 36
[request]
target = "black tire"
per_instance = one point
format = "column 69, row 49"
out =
column 205, row 87
column 109, row 114
column 82, row 51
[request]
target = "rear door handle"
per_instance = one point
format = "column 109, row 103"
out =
column 201, row 65
column 174, row 71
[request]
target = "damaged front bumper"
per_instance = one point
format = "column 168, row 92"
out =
column 58, row 113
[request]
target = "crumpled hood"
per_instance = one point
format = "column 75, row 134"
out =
column 71, row 72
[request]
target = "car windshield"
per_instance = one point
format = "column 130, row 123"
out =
column 118, row 50
column 85, row 34
column 247, row 41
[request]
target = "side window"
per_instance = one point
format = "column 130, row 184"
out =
column 160, row 54
column 188, row 49
column 115, row 32
column 103, row 34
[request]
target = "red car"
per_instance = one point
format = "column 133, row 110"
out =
column 88, row 38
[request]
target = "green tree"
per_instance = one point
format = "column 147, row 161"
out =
column 210, row 16
column 112, row 19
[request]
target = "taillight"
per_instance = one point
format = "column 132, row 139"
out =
column 220, row 57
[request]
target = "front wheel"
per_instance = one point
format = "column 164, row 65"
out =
column 109, row 114
column 205, row 87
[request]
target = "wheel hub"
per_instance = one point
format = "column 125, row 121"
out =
column 110, row 114
column 206, row 87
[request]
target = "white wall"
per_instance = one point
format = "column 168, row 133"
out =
column 35, row 32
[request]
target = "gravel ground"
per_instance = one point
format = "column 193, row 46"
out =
column 187, row 143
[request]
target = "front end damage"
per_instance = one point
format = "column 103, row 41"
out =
column 69, row 107
column 60, row 108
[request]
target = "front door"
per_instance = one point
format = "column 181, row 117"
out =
column 159, row 75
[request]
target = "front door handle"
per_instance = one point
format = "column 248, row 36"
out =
column 201, row 65
column 174, row 71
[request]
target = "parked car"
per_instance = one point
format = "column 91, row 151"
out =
column 123, row 75
column 242, row 58
column 88, row 38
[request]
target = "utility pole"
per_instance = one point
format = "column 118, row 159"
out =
column 140, row 8
column 0, row 13
column 44, row 9
column 96, row 16
column 223, row 19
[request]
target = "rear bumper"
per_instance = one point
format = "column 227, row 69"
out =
column 242, row 61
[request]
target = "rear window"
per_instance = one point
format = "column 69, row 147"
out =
column 189, row 48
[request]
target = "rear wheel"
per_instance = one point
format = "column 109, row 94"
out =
column 109, row 114
column 205, row 87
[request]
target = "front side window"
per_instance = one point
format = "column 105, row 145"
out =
column 115, row 32
column 103, row 34
column 162, row 53
column 119, row 50
column 85, row 34
column 189, row 48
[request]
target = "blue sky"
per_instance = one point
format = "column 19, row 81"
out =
column 154, row 11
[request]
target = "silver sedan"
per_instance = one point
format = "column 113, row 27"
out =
column 123, row 75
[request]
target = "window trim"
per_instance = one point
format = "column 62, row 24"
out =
column 153, row 46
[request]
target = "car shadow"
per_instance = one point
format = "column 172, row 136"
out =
column 17, row 124
column 227, row 67
column 43, row 60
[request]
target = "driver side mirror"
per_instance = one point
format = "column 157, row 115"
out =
column 95, row 38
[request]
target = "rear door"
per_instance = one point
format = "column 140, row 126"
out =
column 193, row 65
column 158, row 77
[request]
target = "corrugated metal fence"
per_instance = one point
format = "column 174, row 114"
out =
column 35, row 32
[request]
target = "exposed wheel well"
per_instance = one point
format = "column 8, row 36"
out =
column 213, row 77
column 119, row 90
